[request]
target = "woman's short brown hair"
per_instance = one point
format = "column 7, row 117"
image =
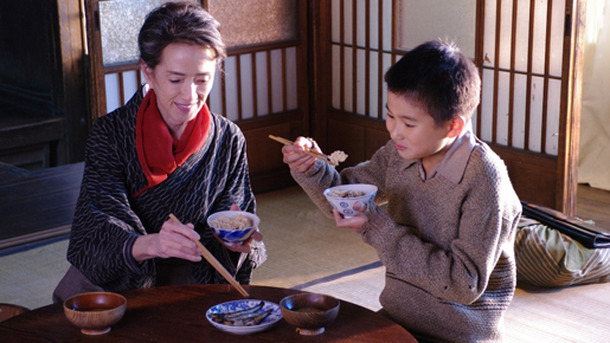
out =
column 184, row 22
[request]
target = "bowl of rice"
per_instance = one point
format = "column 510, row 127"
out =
column 233, row 226
column 344, row 197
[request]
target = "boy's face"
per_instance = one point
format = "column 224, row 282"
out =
column 414, row 132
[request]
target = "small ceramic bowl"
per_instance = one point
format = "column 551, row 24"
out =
column 233, row 226
column 310, row 313
column 343, row 197
column 95, row 312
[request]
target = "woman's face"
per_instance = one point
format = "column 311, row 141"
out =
column 182, row 81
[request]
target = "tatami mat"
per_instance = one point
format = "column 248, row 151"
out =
column 303, row 244
column 28, row 275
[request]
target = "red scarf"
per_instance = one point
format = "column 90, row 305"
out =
column 158, row 152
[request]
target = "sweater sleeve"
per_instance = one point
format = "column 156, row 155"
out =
column 314, row 181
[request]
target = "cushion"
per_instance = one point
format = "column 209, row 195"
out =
column 546, row 257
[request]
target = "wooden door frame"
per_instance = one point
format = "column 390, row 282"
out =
column 572, row 101
column 95, row 62
column 320, row 75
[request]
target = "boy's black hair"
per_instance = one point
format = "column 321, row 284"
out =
column 440, row 77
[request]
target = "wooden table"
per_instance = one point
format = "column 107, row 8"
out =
column 177, row 314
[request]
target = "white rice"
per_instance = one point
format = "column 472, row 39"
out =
column 337, row 157
column 238, row 222
column 345, row 193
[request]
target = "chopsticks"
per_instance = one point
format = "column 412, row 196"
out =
column 315, row 154
column 214, row 262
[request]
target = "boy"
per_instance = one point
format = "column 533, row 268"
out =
column 447, row 237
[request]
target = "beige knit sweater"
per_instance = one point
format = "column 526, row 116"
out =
column 446, row 241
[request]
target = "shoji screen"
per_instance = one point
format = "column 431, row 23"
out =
column 521, row 71
column 260, row 75
column 368, row 36
column 361, row 53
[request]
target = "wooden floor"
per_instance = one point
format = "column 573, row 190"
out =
column 594, row 204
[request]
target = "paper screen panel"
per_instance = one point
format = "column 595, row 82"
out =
column 255, row 22
column 120, row 23
column 420, row 21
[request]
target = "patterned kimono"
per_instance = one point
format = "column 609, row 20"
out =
column 108, row 218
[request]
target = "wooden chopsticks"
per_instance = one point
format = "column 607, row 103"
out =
column 214, row 262
column 315, row 154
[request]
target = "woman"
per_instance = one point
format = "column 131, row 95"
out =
column 161, row 153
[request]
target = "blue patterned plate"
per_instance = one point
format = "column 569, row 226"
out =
column 236, row 305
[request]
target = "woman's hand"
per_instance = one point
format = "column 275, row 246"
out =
column 295, row 156
column 245, row 246
column 355, row 223
column 174, row 240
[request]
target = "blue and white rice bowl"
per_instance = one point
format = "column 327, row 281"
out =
column 240, row 232
column 343, row 197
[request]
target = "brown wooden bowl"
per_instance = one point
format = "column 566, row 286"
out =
column 95, row 312
column 309, row 312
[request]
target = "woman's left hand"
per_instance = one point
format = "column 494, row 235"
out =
column 246, row 245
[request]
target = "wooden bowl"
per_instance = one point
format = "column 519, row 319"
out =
column 309, row 312
column 95, row 312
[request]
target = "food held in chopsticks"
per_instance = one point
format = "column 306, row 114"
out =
column 243, row 317
column 334, row 159
column 337, row 157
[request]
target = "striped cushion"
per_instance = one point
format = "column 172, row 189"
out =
column 545, row 257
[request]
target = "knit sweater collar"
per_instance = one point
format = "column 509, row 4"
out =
column 453, row 165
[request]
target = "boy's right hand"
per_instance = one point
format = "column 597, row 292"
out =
column 295, row 156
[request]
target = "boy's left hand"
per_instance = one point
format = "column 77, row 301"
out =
column 355, row 223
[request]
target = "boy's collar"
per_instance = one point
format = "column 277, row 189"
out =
column 453, row 165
